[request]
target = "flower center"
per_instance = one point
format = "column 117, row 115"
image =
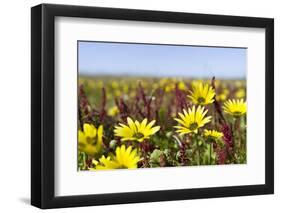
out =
column 210, row 139
column 122, row 167
column 236, row 113
column 193, row 126
column 91, row 140
column 138, row 135
column 201, row 100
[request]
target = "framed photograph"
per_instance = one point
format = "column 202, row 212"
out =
column 140, row 106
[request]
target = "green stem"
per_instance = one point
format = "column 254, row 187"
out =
column 239, row 138
column 237, row 127
column 210, row 154
column 198, row 151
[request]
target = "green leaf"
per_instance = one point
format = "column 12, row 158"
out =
column 154, row 160
column 82, row 159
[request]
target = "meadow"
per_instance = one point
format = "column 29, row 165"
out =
column 131, row 122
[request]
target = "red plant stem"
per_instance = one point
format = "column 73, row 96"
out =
column 102, row 111
column 217, row 104
column 123, row 108
column 148, row 108
column 183, row 148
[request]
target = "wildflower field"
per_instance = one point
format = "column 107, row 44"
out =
column 130, row 122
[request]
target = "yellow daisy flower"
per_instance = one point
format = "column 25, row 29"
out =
column 213, row 134
column 90, row 139
column 114, row 85
column 170, row 87
column 125, row 158
column 223, row 95
column 235, row 107
column 182, row 86
column 117, row 93
column 192, row 120
column 240, row 93
column 202, row 94
column 136, row 131
column 113, row 111
column 104, row 163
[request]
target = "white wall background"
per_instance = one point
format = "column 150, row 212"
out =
column 15, row 105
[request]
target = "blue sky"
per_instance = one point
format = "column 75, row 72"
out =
column 98, row 58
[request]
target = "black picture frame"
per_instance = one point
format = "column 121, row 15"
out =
column 43, row 110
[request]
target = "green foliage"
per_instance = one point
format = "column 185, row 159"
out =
column 82, row 160
column 155, row 156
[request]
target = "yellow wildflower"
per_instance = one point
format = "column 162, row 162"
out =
column 213, row 134
column 135, row 131
column 192, row 120
column 240, row 93
column 182, row 86
column 202, row 94
column 113, row 111
column 235, row 107
column 125, row 158
column 223, row 95
column 90, row 139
